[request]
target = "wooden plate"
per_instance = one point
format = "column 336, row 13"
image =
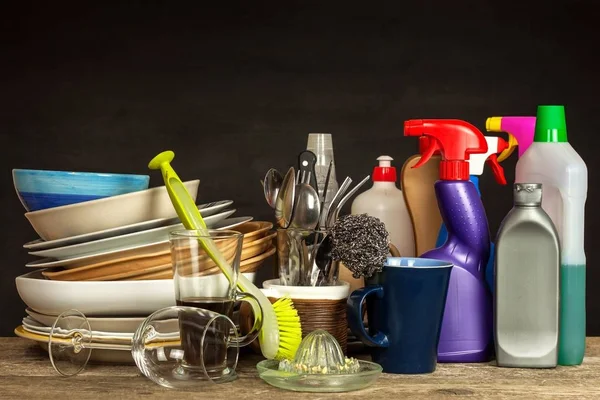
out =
column 254, row 230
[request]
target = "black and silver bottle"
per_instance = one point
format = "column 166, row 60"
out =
column 527, row 278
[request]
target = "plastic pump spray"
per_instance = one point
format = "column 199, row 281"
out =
column 466, row 334
column 496, row 146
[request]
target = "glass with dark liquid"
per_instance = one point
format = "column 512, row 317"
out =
column 205, row 272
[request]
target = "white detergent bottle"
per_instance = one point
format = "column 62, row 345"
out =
column 386, row 202
column 551, row 161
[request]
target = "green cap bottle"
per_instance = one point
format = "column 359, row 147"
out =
column 550, row 124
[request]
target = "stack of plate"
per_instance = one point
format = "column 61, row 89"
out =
column 110, row 259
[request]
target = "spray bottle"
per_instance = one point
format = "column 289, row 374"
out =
column 466, row 334
column 520, row 133
column 496, row 146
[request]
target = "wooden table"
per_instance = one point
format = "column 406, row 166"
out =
column 26, row 373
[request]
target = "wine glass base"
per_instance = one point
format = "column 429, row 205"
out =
column 69, row 343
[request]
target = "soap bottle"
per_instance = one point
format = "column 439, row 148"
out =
column 466, row 334
column 477, row 162
column 417, row 186
column 552, row 161
column 386, row 202
column 526, row 299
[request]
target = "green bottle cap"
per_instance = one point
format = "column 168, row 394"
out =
column 550, row 125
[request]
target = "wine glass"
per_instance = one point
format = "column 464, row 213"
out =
column 176, row 347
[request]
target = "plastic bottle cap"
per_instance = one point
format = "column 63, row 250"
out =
column 527, row 194
column 550, row 125
column 384, row 172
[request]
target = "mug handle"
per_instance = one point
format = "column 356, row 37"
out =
column 354, row 307
column 258, row 319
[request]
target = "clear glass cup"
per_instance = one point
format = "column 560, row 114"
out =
column 158, row 346
column 200, row 282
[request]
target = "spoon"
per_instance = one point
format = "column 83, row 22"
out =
column 284, row 203
column 272, row 184
column 307, row 211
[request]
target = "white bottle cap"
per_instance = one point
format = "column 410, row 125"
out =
column 385, row 161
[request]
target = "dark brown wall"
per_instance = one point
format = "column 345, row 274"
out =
column 234, row 90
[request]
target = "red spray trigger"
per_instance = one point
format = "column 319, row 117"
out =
column 497, row 169
column 456, row 141
column 427, row 147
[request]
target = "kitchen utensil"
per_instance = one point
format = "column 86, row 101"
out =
column 306, row 163
column 202, row 346
column 112, row 253
column 115, row 243
column 326, row 185
column 319, row 366
column 405, row 313
column 278, row 317
column 306, row 217
column 284, row 204
column 254, row 230
column 336, row 199
column 41, row 189
column 207, row 209
column 271, row 186
column 110, row 212
column 112, row 298
column 334, row 212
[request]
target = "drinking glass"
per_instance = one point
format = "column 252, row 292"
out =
column 157, row 347
column 206, row 268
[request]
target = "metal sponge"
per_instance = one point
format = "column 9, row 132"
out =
column 361, row 242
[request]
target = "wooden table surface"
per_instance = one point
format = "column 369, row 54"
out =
column 26, row 373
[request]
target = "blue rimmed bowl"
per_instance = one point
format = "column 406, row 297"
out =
column 41, row 189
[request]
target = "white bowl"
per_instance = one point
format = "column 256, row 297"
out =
column 111, row 212
column 107, row 298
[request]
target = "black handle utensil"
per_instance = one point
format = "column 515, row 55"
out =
column 306, row 164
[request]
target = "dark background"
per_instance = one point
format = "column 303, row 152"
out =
column 234, row 89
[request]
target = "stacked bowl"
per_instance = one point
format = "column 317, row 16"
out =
column 104, row 250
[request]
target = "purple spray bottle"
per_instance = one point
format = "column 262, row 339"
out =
column 466, row 334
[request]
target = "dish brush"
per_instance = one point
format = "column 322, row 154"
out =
column 281, row 332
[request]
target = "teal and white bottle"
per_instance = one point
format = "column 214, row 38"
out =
column 551, row 161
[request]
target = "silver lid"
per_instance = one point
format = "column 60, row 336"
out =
column 528, row 194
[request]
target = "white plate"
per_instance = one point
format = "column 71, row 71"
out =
column 207, row 209
column 93, row 299
column 169, row 331
column 101, row 255
column 107, row 213
column 33, row 326
column 124, row 241
column 96, row 324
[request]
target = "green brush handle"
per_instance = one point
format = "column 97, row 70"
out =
column 265, row 318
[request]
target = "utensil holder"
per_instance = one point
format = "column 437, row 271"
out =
column 320, row 307
column 299, row 260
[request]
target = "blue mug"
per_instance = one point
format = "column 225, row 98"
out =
column 405, row 310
